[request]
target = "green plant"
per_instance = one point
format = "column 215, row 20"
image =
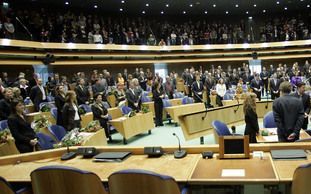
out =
column 92, row 126
column 40, row 121
column 81, row 111
column 72, row 138
column 45, row 108
column 131, row 114
column 5, row 135
column 145, row 108
column 264, row 133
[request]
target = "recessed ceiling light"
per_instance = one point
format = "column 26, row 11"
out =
column 167, row 5
column 205, row 12
column 147, row 4
column 143, row 12
column 67, row 3
column 162, row 12
column 246, row 12
column 191, row 5
column 184, row 12
column 121, row 9
column 277, row 2
column 227, row 12
column 95, row 6
column 301, row 0
column 236, row 5
column 250, row 17
column 122, row 1
column 214, row 5
column 285, row 8
column 255, row 5
column 308, row 6
column 264, row 11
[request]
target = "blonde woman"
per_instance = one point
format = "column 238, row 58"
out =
column 250, row 117
column 71, row 117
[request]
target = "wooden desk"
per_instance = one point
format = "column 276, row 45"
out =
column 273, row 138
column 174, row 102
column 112, row 100
column 95, row 139
column 86, row 119
column 30, row 108
column 232, row 102
column 131, row 126
column 209, row 171
column 31, row 116
column 8, row 148
column 176, row 111
column 115, row 112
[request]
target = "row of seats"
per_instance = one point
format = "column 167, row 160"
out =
column 69, row 180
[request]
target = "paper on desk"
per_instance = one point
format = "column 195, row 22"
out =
column 272, row 131
column 233, row 173
column 271, row 138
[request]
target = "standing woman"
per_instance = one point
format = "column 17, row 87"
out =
column 158, row 104
column 100, row 113
column 71, row 117
column 24, row 135
column 221, row 91
column 59, row 103
column 250, row 117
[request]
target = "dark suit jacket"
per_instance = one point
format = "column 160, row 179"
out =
column 25, row 92
column 131, row 98
column 68, row 117
column 288, row 114
column 22, row 133
column 305, row 101
column 5, row 109
column 256, row 85
column 82, row 94
column 36, row 96
column 251, row 128
column 98, row 111
column 196, row 89
column 59, row 103
column 274, row 87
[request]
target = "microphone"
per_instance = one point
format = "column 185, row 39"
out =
column 22, row 24
column 68, row 155
column 179, row 153
column 233, row 130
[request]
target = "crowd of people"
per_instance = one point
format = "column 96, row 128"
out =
column 47, row 26
column 93, row 90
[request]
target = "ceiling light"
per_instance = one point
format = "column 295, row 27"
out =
column 308, row 6
column 205, row 12
column 255, row 5
column 167, row 5
column 143, row 12
column 147, row 4
column 277, row 2
column 121, row 9
column 264, row 11
column 184, row 12
column 122, row 1
column 227, row 12
column 236, row 5
column 95, row 6
column 214, row 5
column 191, row 5
column 285, row 8
column 250, row 17
column 246, row 12
column 67, row 3
column 162, row 12
column 301, row 0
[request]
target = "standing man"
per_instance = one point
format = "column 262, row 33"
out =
column 197, row 89
column 274, row 86
column 264, row 77
column 305, row 99
column 82, row 92
column 38, row 94
column 132, row 97
column 256, row 85
column 288, row 114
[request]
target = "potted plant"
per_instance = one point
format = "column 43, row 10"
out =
column 45, row 108
column 72, row 138
column 91, row 127
column 41, row 122
column 145, row 108
column 5, row 135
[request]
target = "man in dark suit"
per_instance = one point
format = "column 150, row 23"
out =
column 132, row 97
column 288, row 114
column 256, row 86
column 25, row 90
column 82, row 92
column 190, row 80
column 197, row 89
column 274, row 86
column 5, row 104
column 305, row 99
column 209, row 84
column 264, row 77
column 38, row 94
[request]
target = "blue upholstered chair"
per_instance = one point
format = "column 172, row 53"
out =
column 3, row 124
column 46, row 142
column 228, row 96
column 178, row 95
column 58, row 131
column 106, row 104
column 86, row 107
column 166, row 103
column 187, row 100
column 50, row 98
column 126, row 110
column 301, row 180
column 6, row 188
column 221, row 128
column 65, row 180
column 54, row 113
column 142, row 182
column 145, row 99
column 51, row 105
column 268, row 120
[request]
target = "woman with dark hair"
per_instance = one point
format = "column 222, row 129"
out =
column 71, row 117
column 100, row 113
column 59, row 103
column 251, row 118
column 24, row 135
column 158, row 95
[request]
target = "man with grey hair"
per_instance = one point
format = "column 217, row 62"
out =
column 38, row 94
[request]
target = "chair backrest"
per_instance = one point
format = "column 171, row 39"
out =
column 46, row 142
column 268, row 120
column 65, row 180
column 106, row 104
column 227, row 96
column 145, row 99
column 141, row 182
column 58, row 131
column 3, row 124
column 184, row 100
column 5, row 187
column 221, row 128
column 166, row 103
column 54, row 112
column 301, row 180
column 50, row 98
column 178, row 95
column 86, row 107
column 126, row 110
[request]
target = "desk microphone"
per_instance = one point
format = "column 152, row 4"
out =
column 68, row 155
column 179, row 153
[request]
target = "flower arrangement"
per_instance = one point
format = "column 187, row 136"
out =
column 72, row 138
column 45, row 108
column 131, row 114
column 40, row 121
column 81, row 111
column 5, row 135
column 92, row 126
column 145, row 108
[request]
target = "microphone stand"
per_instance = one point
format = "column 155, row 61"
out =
column 179, row 153
column 25, row 28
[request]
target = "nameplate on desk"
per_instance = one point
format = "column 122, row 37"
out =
column 233, row 173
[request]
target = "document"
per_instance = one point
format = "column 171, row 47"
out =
column 271, row 138
column 233, row 173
